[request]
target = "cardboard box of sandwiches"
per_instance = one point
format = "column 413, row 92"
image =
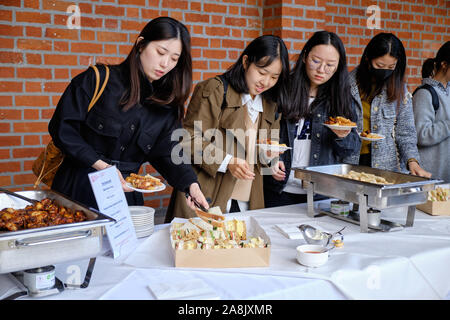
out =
column 219, row 241
column 438, row 203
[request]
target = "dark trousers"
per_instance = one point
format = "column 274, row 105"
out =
column 365, row 160
column 275, row 199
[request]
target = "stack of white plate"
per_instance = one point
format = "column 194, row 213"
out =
column 143, row 220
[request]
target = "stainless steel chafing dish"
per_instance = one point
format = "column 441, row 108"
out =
column 32, row 248
column 406, row 190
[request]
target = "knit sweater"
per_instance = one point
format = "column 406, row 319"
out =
column 433, row 129
column 395, row 123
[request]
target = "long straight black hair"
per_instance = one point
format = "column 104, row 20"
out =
column 262, row 51
column 173, row 88
column 443, row 55
column 378, row 46
column 336, row 90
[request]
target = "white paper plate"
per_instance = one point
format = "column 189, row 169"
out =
column 337, row 127
column 273, row 147
column 141, row 210
column 160, row 188
column 373, row 139
column 143, row 224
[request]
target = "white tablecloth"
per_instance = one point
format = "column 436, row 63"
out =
column 408, row 264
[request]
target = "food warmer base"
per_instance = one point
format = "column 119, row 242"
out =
column 59, row 286
column 353, row 217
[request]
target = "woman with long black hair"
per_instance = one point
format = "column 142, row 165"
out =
column 385, row 107
column 256, row 88
column 318, row 90
column 132, row 122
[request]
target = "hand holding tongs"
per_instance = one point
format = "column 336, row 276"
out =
column 196, row 203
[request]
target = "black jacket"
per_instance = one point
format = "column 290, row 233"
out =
column 326, row 147
column 125, row 139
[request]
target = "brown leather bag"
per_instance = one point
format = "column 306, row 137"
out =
column 48, row 162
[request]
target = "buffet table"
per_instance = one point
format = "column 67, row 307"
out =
column 411, row 263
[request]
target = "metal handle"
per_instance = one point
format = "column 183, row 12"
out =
column 45, row 240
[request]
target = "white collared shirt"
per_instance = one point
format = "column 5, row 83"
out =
column 254, row 106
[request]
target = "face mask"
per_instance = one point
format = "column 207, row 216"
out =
column 381, row 74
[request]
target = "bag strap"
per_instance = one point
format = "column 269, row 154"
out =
column 225, row 88
column 97, row 93
column 434, row 96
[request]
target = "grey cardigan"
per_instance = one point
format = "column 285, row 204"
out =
column 396, row 124
column 433, row 130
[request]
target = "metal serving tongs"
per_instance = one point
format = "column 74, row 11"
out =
column 18, row 195
column 197, row 204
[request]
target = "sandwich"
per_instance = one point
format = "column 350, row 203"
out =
column 213, row 217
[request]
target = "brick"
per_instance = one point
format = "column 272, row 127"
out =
column 5, row 180
column 10, row 57
column 12, row 3
column 30, row 114
column 86, row 47
column 33, row 58
column 175, row 4
column 21, row 179
column 55, row 5
column 10, row 114
column 34, row 44
column 106, row 36
column 9, row 86
column 5, row 101
column 32, row 101
column 10, row 166
column 214, row 8
column 132, row 2
column 33, row 87
column 195, row 17
column 6, row 141
column 60, row 59
column 5, row 15
column 6, row 72
column 33, row 17
column 55, row 86
column 55, row 33
column 110, row 11
column 28, row 127
column 28, row 73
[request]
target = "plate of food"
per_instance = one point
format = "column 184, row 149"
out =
column 270, row 145
column 339, row 123
column 144, row 184
column 370, row 136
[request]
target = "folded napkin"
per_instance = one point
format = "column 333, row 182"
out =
column 290, row 231
column 190, row 289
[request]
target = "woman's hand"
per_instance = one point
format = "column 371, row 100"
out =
column 240, row 169
column 197, row 194
column 341, row 133
column 100, row 165
column 278, row 171
column 416, row 170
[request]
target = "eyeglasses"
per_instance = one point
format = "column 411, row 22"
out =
column 316, row 65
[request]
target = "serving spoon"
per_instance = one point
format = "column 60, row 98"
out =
column 18, row 195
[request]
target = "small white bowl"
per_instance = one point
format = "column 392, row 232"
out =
column 311, row 255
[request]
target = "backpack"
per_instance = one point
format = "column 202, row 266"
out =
column 434, row 96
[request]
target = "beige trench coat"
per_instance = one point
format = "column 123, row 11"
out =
column 205, row 106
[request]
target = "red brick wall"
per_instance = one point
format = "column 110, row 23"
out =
column 39, row 54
